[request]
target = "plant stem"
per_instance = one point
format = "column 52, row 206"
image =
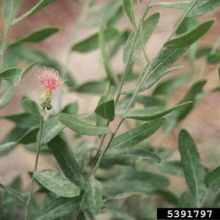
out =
column 35, row 168
column 144, row 78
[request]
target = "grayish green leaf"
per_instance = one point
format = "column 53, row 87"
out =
column 7, row 147
column 91, row 43
column 51, row 129
column 58, row 208
column 203, row 7
column 174, row 5
column 135, row 182
column 143, row 35
column 136, row 135
column 6, row 97
column 106, row 110
column 212, row 179
column 57, row 183
column 81, row 127
column 13, row 75
column 32, row 107
column 129, row 5
column 93, row 196
column 193, row 170
column 66, row 160
column 37, row 36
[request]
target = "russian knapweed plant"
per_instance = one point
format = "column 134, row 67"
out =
column 127, row 175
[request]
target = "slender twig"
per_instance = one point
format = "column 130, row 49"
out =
column 35, row 168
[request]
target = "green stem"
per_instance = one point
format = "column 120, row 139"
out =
column 144, row 78
column 35, row 168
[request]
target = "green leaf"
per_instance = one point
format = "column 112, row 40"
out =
column 57, row 183
column 66, row 160
column 129, row 5
column 212, row 179
column 193, row 170
column 51, row 129
column 174, row 5
column 136, row 135
column 173, row 50
column 108, row 68
column 7, row 147
column 81, row 127
column 128, row 157
column 106, row 110
column 37, row 36
column 29, row 137
column 93, row 196
column 140, row 38
column 14, row 194
column 40, row 5
column 58, row 208
column 92, row 87
column 148, row 114
column 135, row 182
column 31, row 107
column 190, row 37
column 6, row 97
column 13, row 75
column 118, row 213
column 23, row 120
column 203, row 7
column 71, row 108
column 91, row 43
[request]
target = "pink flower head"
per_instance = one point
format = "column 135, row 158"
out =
column 50, row 80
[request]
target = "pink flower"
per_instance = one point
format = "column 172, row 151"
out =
column 50, row 80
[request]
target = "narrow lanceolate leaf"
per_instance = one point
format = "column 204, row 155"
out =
column 134, row 182
column 172, row 51
column 81, row 127
column 203, row 7
column 136, row 135
column 190, row 37
column 7, row 147
column 212, row 179
column 14, row 194
column 32, row 11
column 91, row 43
column 175, row 5
column 66, row 160
column 13, row 75
column 51, row 129
column 57, row 183
column 193, row 170
column 93, row 196
column 58, row 208
column 106, row 110
column 6, row 97
column 31, row 107
column 145, row 115
column 128, row 157
column 137, row 41
column 37, row 36
column 29, row 137
column 129, row 5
